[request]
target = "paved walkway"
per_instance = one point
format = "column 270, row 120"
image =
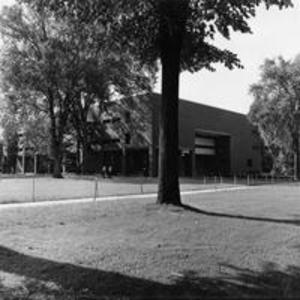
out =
column 113, row 198
column 16, row 190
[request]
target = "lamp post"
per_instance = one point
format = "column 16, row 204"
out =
column 297, row 150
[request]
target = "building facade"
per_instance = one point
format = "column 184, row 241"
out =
column 212, row 141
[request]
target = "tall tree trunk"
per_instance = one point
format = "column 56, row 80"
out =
column 84, row 163
column 78, row 157
column 56, row 149
column 56, row 131
column 56, row 138
column 171, row 43
column 296, row 158
column 57, row 159
column 35, row 163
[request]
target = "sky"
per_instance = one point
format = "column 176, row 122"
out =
column 275, row 32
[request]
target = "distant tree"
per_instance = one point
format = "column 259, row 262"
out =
column 20, row 117
column 63, row 59
column 35, row 58
column 276, row 98
column 106, row 77
column 180, row 33
column 9, row 124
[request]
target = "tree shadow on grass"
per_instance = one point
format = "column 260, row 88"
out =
column 295, row 222
column 45, row 279
column 238, row 283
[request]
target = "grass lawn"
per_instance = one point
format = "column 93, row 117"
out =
column 47, row 188
column 234, row 244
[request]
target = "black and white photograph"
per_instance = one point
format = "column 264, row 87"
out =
column 149, row 149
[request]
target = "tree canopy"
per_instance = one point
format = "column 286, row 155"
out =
column 276, row 98
column 180, row 33
column 60, row 60
column 140, row 24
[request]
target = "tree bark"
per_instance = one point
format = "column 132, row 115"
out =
column 171, row 44
column 57, row 160
column 84, row 163
column 35, row 163
column 296, row 158
column 56, row 140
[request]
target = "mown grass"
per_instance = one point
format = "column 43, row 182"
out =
column 226, row 246
column 13, row 190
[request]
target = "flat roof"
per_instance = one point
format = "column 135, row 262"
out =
column 206, row 105
column 211, row 132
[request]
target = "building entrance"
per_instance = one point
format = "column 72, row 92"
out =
column 212, row 155
column 137, row 161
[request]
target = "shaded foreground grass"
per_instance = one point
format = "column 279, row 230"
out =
column 45, row 279
column 138, row 250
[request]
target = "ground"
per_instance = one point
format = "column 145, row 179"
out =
column 226, row 244
column 31, row 188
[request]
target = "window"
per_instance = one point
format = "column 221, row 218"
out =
column 205, row 145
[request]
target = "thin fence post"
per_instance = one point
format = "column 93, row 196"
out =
column 96, row 188
column 234, row 179
column 204, row 180
column 248, row 179
column 142, row 190
column 221, row 180
column 33, row 189
column 215, row 179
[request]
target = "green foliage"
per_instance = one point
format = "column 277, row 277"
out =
column 61, row 61
column 276, row 97
column 9, row 124
column 23, row 125
column 36, row 60
column 20, row 115
column 66, row 56
column 178, row 32
column 139, row 24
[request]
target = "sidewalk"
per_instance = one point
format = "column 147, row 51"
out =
column 113, row 198
column 16, row 190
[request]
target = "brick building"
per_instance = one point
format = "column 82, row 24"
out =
column 212, row 141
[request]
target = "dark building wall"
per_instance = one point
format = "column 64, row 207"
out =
column 237, row 148
column 245, row 155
